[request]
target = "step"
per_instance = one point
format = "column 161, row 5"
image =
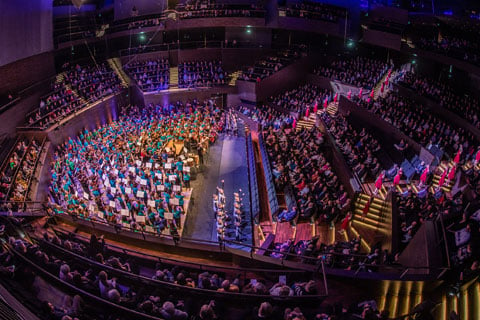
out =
column 376, row 224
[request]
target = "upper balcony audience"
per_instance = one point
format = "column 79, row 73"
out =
column 271, row 64
column 93, row 82
column 457, row 38
column 193, row 74
column 150, row 75
column 210, row 9
column 466, row 106
column 300, row 99
column 359, row 71
column 316, row 11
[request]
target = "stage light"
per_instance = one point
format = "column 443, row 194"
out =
column 142, row 37
column 350, row 44
column 248, row 29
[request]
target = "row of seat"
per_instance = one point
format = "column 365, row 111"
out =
column 255, row 201
column 272, row 194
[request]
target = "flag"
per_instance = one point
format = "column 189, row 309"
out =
column 335, row 98
column 442, row 178
column 457, row 156
column 325, row 103
column 379, row 182
column 372, row 93
column 383, row 86
column 360, row 93
column 349, row 94
column 396, row 180
column 451, row 174
column 315, row 107
column 424, row 175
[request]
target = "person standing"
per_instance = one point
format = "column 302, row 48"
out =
column 200, row 154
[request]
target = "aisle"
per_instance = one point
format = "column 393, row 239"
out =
column 234, row 171
column 199, row 223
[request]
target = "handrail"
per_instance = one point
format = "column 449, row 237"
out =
column 177, row 286
column 14, row 177
column 34, row 169
column 174, row 261
column 188, row 45
column 253, row 248
column 135, row 314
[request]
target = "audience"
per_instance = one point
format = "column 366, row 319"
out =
column 210, row 9
column 271, row 64
column 466, row 106
column 316, row 11
column 92, row 83
column 150, row 75
column 193, row 74
column 359, row 71
column 421, row 125
column 359, row 148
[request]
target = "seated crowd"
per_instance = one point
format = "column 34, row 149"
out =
column 267, row 116
column 54, row 106
column 201, row 74
column 359, row 148
column 302, row 98
column 16, row 177
column 359, row 71
column 133, row 172
column 316, row 11
column 466, row 106
column 420, row 125
column 92, row 83
column 81, row 86
column 300, row 165
column 192, row 9
column 454, row 38
column 271, row 64
column 150, row 75
column 113, row 284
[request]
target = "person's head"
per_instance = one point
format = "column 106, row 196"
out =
column 102, row 276
column 206, row 312
column 65, row 269
column 113, row 295
column 311, row 287
column 225, row 285
column 168, row 307
column 265, row 310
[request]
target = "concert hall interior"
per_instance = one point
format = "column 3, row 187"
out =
column 240, row 159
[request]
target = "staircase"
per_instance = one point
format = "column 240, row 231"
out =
column 233, row 78
column 173, row 77
column 306, row 123
column 116, row 66
column 375, row 225
column 469, row 165
column 332, row 109
column 59, row 78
